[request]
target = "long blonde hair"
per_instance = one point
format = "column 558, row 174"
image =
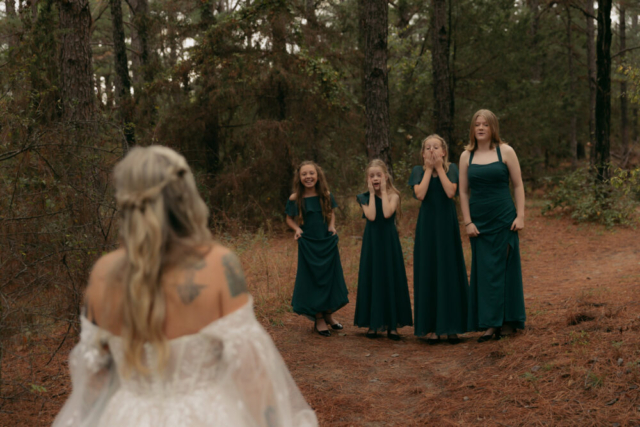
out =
column 493, row 126
column 163, row 222
column 445, row 147
column 322, row 188
column 389, row 181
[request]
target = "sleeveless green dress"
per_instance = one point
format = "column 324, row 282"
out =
column 320, row 284
column 383, row 301
column 440, row 283
column 495, row 296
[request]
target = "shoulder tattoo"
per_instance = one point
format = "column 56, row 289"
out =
column 190, row 290
column 233, row 273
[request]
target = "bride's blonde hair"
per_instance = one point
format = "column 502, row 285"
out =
column 163, row 222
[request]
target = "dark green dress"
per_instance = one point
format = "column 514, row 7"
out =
column 495, row 296
column 320, row 282
column 383, row 301
column 440, row 283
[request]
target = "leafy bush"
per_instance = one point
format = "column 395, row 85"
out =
column 581, row 195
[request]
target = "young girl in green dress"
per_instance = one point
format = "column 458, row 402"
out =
column 496, row 297
column 383, row 302
column 320, row 289
column 439, row 273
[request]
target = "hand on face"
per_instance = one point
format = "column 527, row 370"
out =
column 438, row 160
column 383, row 184
column 370, row 184
column 428, row 160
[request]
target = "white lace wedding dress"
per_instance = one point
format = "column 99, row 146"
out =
column 228, row 374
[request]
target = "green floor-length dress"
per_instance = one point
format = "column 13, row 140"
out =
column 495, row 296
column 440, row 283
column 383, row 301
column 320, row 284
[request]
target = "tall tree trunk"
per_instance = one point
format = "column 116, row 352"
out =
column 573, row 131
column 123, row 84
column 34, row 10
column 603, row 97
column 591, row 77
column 376, row 85
column 624, row 125
column 442, row 90
column 142, row 69
column 634, row 114
column 76, row 71
column 536, row 70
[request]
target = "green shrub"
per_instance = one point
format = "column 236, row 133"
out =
column 582, row 196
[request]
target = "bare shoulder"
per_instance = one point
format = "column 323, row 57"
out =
column 507, row 149
column 393, row 196
column 232, row 286
column 101, row 271
column 293, row 197
column 464, row 156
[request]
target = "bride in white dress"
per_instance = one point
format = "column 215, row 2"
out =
column 168, row 336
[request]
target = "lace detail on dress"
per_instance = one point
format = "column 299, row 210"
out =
column 228, row 374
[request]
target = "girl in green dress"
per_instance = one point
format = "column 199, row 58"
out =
column 440, row 283
column 320, row 289
column 496, row 298
column 383, row 302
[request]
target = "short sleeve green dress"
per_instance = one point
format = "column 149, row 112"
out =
column 496, row 296
column 440, row 284
column 383, row 302
column 320, row 285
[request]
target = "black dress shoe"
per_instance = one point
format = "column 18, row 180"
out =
column 433, row 341
column 486, row 337
column 371, row 334
column 336, row 326
column 394, row 337
column 323, row 333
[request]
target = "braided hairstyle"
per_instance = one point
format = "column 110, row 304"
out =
column 163, row 222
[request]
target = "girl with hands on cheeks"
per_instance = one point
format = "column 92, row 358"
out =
column 496, row 298
column 383, row 302
column 439, row 273
column 320, row 289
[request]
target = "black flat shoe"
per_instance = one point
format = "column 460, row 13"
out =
column 394, row 337
column 485, row 338
column 433, row 341
column 371, row 334
column 323, row 333
column 336, row 326
column 454, row 340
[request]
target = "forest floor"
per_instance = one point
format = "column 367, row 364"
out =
column 577, row 363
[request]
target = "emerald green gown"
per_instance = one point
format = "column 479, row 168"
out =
column 320, row 284
column 440, row 283
column 383, row 301
column 495, row 296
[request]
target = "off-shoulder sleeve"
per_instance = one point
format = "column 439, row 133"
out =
column 334, row 204
column 256, row 373
column 291, row 208
column 93, row 379
column 416, row 176
column 453, row 173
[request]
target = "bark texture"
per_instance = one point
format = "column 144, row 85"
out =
column 76, row 72
column 123, row 82
column 375, row 19
column 591, row 77
column 624, row 123
column 603, row 95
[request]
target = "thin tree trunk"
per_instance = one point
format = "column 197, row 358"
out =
column 442, row 90
column 634, row 114
column 76, row 70
column 123, row 84
column 573, row 137
column 603, row 97
column 591, row 77
column 536, row 70
column 624, row 124
column 376, row 86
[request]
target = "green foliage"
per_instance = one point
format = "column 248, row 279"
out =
column 582, row 196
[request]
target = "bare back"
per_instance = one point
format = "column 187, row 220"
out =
column 195, row 296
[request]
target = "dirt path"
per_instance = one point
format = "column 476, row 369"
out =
column 552, row 374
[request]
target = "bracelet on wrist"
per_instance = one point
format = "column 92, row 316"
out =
column 468, row 223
